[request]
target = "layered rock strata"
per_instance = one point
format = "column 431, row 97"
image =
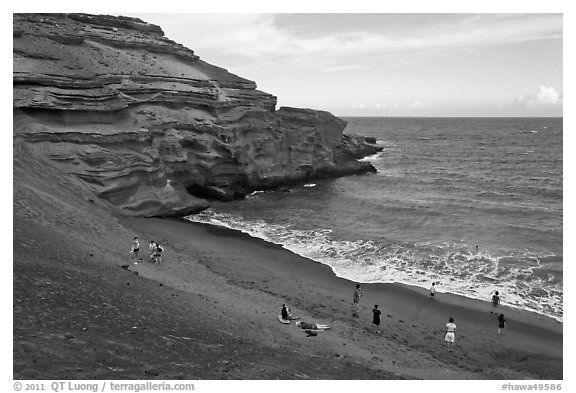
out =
column 152, row 130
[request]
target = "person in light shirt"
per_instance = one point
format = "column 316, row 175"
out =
column 450, row 333
column 135, row 250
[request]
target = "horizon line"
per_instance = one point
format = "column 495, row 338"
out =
column 460, row 117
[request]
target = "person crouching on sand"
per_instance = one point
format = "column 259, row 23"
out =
column 501, row 324
column 450, row 333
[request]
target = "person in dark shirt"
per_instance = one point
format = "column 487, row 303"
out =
column 286, row 313
column 376, row 318
column 501, row 323
column 495, row 302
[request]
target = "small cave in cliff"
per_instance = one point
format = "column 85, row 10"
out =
column 219, row 193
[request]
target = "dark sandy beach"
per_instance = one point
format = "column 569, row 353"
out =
column 209, row 311
column 411, row 344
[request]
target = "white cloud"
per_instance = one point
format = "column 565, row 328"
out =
column 544, row 102
column 545, row 96
column 416, row 104
column 257, row 37
column 548, row 95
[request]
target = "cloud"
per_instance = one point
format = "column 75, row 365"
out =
column 547, row 95
column 416, row 104
column 546, row 101
column 261, row 40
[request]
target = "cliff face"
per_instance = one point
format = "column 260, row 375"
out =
column 150, row 129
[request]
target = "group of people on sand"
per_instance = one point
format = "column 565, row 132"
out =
column 310, row 328
column 155, row 251
column 450, row 332
column 356, row 305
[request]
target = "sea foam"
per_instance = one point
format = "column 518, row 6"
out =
column 456, row 267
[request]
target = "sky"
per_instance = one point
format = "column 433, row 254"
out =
column 387, row 64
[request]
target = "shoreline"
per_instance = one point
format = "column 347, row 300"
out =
column 448, row 297
column 417, row 287
column 410, row 320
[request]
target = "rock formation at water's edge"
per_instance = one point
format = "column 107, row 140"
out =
column 148, row 128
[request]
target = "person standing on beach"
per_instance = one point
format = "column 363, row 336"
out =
column 376, row 318
column 433, row 291
column 450, row 333
column 152, row 248
column 135, row 249
column 501, row 323
column 356, row 301
column 495, row 302
column 158, row 253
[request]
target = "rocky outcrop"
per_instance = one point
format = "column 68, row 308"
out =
column 152, row 130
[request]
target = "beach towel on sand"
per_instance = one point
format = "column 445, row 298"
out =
column 282, row 320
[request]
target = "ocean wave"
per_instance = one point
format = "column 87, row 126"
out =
column 521, row 279
column 373, row 157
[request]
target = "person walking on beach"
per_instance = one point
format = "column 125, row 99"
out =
column 495, row 302
column 501, row 323
column 135, row 249
column 450, row 333
column 376, row 318
column 433, row 291
column 356, row 301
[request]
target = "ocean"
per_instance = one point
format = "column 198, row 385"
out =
column 443, row 187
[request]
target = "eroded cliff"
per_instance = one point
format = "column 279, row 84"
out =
column 149, row 128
